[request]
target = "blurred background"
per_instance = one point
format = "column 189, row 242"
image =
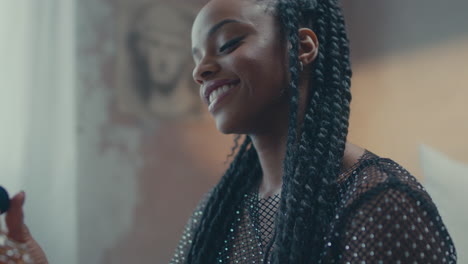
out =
column 103, row 128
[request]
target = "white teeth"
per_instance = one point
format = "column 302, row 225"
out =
column 221, row 90
column 211, row 97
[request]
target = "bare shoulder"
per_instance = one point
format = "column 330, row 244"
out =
column 352, row 154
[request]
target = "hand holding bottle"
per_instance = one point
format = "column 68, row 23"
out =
column 17, row 245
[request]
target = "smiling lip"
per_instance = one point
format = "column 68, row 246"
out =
column 215, row 104
column 213, row 85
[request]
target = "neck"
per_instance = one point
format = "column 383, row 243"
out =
column 271, row 150
column 271, row 146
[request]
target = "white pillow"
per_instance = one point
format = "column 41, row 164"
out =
column 446, row 181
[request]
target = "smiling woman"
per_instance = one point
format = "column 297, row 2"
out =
column 257, row 73
column 278, row 72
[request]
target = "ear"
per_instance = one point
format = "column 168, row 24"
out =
column 308, row 46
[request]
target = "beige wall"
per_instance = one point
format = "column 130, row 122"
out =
column 411, row 98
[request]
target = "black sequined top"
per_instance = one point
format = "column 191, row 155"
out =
column 384, row 216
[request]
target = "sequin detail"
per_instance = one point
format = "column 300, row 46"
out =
column 384, row 215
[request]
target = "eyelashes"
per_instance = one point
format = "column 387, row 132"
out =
column 231, row 44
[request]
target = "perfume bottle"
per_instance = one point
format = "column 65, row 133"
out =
column 11, row 252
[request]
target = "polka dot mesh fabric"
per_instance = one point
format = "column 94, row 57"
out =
column 384, row 215
column 252, row 230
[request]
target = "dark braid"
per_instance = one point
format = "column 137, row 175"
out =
column 242, row 174
column 308, row 194
column 234, row 148
column 313, row 158
column 290, row 23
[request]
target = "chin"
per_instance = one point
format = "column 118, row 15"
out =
column 228, row 126
column 225, row 128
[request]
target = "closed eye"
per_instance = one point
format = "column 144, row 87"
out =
column 231, row 44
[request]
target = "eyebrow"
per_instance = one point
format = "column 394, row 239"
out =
column 217, row 27
column 220, row 25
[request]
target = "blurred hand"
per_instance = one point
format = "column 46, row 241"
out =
column 19, row 232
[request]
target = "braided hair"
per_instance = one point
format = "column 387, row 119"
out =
column 314, row 150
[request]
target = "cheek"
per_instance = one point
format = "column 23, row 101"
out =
column 258, row 65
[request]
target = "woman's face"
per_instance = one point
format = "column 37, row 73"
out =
column 241, row 66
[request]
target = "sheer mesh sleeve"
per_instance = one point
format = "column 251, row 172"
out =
column 185, row 242
column 393, row 225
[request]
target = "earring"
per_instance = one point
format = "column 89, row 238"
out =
column 301, row 66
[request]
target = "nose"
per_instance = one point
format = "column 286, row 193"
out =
column 205, row 70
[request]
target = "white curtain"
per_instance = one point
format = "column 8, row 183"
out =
column 38, row 119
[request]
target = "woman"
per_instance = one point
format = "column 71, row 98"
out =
column 278, row 72
column 297, row 192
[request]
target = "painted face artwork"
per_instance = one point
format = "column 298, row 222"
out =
column 162, row 44
column 156, row 61
column 240, row 65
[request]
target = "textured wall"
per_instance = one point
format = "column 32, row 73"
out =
column 108, row 147
column 139, row 177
